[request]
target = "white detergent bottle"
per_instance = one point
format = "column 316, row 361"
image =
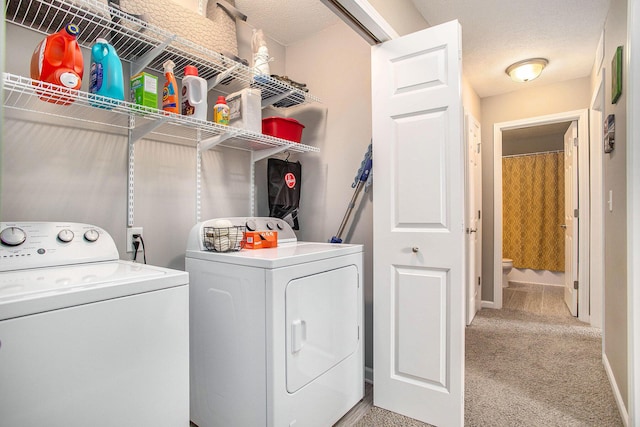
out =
column 194, row 94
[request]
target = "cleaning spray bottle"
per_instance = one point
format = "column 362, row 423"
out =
column 58, row 60
column 221, row 111
column 106, row 73
column 194, row 94
column 170, row 92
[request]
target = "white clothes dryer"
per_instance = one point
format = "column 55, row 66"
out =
column 276, row 334
column 85, row 338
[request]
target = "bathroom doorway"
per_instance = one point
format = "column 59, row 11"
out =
column 527, row 126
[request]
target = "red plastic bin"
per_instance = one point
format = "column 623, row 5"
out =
column 283, row 127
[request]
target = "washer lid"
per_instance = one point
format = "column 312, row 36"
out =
column 284, row 255
column 31, row 291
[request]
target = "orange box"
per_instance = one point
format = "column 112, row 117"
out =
column 260, row 239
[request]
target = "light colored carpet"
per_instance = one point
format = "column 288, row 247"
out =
column 524, row 369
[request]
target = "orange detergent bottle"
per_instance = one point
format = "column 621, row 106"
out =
column 58, row 60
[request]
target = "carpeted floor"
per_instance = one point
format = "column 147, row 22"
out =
column 525, row 369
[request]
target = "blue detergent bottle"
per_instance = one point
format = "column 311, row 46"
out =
column 106, row 74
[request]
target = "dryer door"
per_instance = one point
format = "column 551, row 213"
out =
column 322, row 323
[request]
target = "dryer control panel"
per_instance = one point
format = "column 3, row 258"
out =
column 47, row 244
column 285, row 232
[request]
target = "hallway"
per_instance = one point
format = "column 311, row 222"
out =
column 533, row 364
column 529, row 364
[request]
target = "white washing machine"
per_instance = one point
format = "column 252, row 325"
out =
column 87, row 339
column 276, row 334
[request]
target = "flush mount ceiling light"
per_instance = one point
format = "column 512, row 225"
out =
column 529, row 69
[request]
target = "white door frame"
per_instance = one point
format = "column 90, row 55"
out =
column 473, row 286
column 582, row 117
column 596, row 243
column 632, row 61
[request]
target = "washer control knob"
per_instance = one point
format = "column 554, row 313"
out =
column 270, row 225
column 13, row 236
column 65, row 236
column 280, row 227
column 251, row 225
column 91, row 235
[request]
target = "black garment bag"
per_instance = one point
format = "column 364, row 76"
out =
column 284, row 190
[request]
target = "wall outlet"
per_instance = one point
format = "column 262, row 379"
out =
column 130, row 232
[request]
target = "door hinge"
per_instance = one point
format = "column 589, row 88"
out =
column 576, row 213
column 358, row 331
column 575, row 142
column 479, row 281
column 478, row 213
column 575, row 284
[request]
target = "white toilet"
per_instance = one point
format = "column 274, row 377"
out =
column 507, row 266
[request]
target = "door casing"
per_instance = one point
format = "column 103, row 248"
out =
column 582, row 117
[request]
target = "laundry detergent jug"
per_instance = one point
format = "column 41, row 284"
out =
column 58, row 60
column 194, row 94
column 106, row 74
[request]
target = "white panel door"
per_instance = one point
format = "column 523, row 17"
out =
column 474, row 204
column 571, row 223
column 419, row 238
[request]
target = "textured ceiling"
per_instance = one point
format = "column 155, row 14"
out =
column 287, row 21
column 495, row 33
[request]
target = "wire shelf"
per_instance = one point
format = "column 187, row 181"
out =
column 26, row 96
column 147, row 46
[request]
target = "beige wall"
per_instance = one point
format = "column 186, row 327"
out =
column 470, row 99
column 556, row 98
column 615, row 231
column 402, row 15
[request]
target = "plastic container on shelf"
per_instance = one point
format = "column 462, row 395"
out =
column 221, row 112
column 170, row 91
column 260, row 53
column 194, row 94
column 245, row 109
column 106, row 73
column 283, row 127
column 57, row 59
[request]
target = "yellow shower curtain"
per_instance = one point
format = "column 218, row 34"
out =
column 533, row 210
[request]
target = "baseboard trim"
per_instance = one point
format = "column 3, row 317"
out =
column 368, row 375
column 537, row 283
column 488, row 304
column 616, row 391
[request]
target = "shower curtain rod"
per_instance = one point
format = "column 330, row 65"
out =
column 533, row 154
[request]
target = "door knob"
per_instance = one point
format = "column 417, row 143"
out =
column 471, row 230
column 563, row 225
column 415, row 249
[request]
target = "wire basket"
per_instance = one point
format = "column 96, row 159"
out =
column 224, row 239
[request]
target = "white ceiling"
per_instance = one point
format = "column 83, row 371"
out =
column 287, row 21
column 495, row 33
